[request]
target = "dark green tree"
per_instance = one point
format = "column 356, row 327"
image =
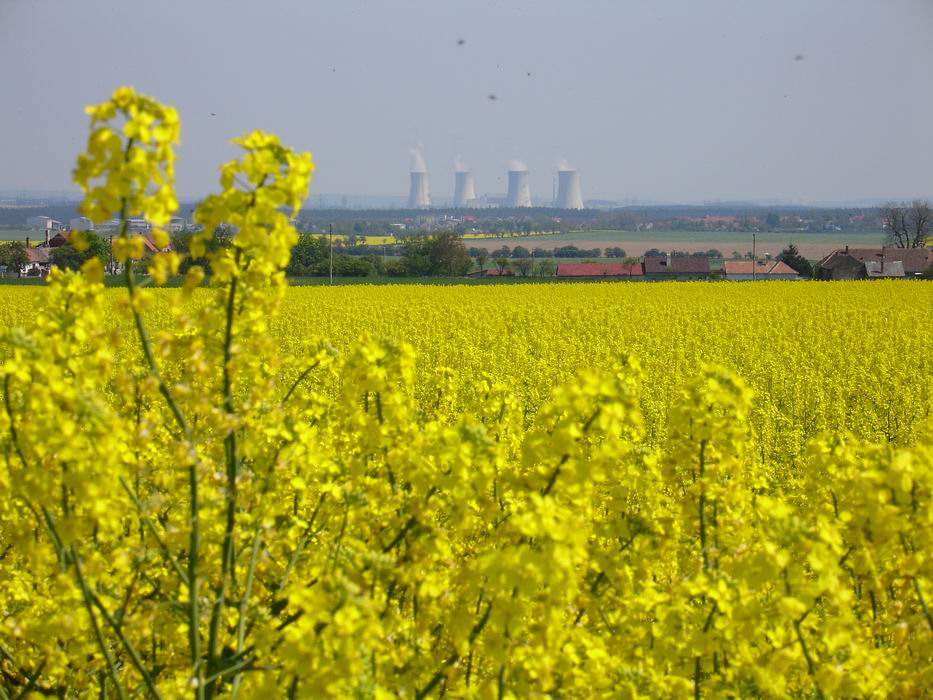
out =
column 523, row 265
column 181, row 243
column 309, row 253
column 14, row 256
column 440, row 254
column 793, row 259
column 348, row 266
column 68, row 257
column 481, row 256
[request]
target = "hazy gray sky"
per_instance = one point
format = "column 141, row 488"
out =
column 658, row 99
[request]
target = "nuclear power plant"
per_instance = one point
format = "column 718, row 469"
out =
column 519, row 189
column 568, row 194
column 568, row 190
column 418, row 196
column 464, row 191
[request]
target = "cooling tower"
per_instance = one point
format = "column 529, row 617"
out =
column 519, row 189
column 418, row 196
column 568, row 190
column 463, row 189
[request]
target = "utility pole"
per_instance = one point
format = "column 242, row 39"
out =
column 330, row 229
column 754, row 259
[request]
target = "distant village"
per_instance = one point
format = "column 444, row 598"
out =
column 46, row 234
column 52, row 234
column 843, row 264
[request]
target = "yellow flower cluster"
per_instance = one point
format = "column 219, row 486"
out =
column 129, row 166
column 204, row 498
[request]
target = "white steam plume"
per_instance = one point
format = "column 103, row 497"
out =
column 417, row 160
column 564, row 164
column 460, row 166
column 517, row 165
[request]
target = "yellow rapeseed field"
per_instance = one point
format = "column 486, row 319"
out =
column 565, row 490
column 850, row 356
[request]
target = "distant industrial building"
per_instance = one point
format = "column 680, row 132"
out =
column 519, row 189
column 568, row 190
column 44, row 223
column 418, row 195
column 464, row 190
column 568, row 194
column 81, row 223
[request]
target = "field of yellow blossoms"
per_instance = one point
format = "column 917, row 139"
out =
column 237, row 489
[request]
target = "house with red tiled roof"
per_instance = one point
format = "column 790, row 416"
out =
column 58, row 240
column 758, row 270
column 62, row 237
column 151, row 246
column 601, row 270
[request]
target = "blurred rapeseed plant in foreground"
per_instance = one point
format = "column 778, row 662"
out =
column 191, row 511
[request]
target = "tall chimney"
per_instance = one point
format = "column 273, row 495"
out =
column 568, row 190
column 418, row 195
column 519, row 189
column 464, row 190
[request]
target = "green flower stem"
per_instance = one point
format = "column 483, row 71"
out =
column 232, row 463
column 244, row 603
column 195, row 537
column 155, row 533
column 130, row 649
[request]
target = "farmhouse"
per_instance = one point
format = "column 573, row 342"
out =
column 38, row 264
column 875, row 269
column 676, row 267
column 492, row 272
column 590, row 270
column 759, row 270
column 840, row 265
column 57, row 241
column 151, row 247
column 865, row 263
